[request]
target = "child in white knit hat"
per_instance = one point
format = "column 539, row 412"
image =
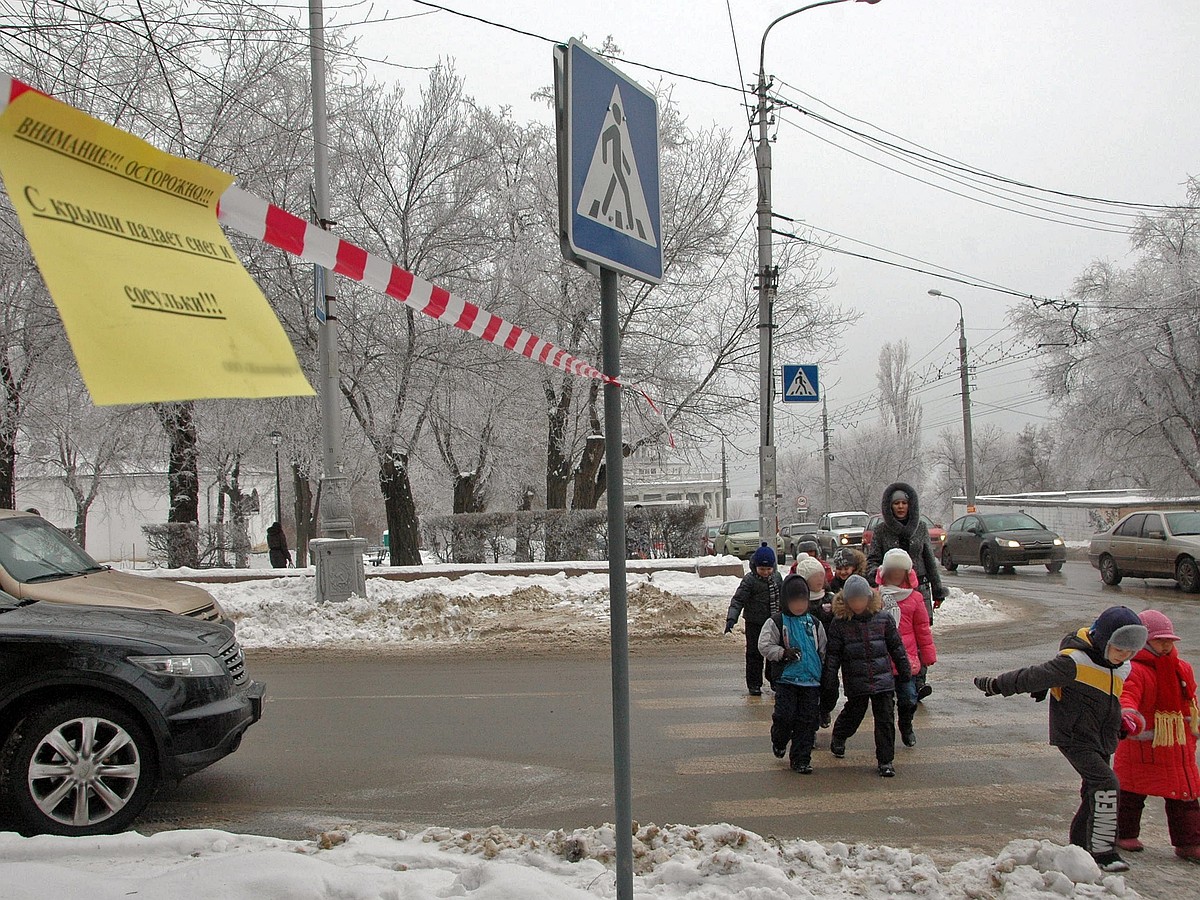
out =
column 820, row 599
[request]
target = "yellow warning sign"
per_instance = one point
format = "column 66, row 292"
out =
column 155, row 302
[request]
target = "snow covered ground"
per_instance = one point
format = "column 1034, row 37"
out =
column 663, row 605
column 677, row 862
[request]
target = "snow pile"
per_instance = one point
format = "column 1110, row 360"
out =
column 477, row 607
column 673, row 863
column 663, row 605
column 965, row 608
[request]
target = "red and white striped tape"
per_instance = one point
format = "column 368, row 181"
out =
column 256, row 218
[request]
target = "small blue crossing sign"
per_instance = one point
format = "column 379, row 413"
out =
column 609, row 203
column 801, row 384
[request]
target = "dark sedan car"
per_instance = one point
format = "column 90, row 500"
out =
column 993, row 540
column 99, row 705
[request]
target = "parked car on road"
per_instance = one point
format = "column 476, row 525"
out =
column 1150, row 544
column 937, row 534
column 708, row 540
column 993, row 540
column 39, row 562
column 738, row 538
column 840, row 529
column 792, row 534
column 98, row 705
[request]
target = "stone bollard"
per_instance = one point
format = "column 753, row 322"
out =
column 339, row 563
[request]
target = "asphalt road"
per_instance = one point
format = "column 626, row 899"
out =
column 466, row 739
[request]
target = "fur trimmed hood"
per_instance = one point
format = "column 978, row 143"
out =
column 914, row 506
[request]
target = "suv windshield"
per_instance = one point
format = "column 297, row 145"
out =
column 32, row 549
column 1012, row 522
column 1184, row 522
column 744, row 527
column 847, row 522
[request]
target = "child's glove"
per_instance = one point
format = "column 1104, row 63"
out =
column 1131, row 723
column 987, row 684
column 729, row 623
column 791, row 654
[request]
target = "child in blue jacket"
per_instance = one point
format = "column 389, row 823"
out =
column 794, row 640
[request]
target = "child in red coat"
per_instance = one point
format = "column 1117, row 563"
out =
column 1160, row 722
column 898, row 590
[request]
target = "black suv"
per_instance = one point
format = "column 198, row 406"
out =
column 98, row 705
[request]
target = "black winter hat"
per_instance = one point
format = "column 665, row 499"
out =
column 794, row 586
column 843, row 558
column 1120, row 626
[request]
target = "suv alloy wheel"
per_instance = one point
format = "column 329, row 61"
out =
column 79, row 767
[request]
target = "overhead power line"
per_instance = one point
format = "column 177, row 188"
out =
column 550, row 40
column 945, row 159
column 964, row 281
column 1052, row 216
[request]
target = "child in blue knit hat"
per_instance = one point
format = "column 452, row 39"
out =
column 757, row 598
column 1085, row 682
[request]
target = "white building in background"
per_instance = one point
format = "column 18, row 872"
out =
column 653, row 480
column 1076, row 515
column 127, row 502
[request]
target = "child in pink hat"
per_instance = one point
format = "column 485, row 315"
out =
column 1159, row 721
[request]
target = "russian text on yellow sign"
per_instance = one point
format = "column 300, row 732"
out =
column 155, row 302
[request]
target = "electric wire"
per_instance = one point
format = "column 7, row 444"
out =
column 968, row 197
column 969, row 283
column 967, row 167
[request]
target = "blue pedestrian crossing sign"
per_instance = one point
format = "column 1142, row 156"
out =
column 609, row 201
column 801, row 384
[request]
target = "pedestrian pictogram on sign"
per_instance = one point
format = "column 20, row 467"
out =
column 801, row 384
column 612, row 193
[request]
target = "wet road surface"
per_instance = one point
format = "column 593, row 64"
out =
column 469, row 739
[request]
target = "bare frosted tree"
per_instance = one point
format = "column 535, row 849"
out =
column 78, row 442
column 1122, row 359
column 899, row 409
column 415, row 181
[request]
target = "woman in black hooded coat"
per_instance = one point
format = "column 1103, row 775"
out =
column 902, row 527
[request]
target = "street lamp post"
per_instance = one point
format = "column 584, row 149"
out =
column 964, row 378
column 277, row 439
column 766, row 289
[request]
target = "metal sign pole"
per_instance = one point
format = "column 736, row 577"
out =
column 614, row 452
column 610, row 219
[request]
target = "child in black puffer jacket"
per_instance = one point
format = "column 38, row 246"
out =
column 757, row 600
column 864, row 643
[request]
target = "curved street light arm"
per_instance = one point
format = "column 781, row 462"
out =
column 762, row 48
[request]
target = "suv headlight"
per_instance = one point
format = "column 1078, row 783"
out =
column 198, row 666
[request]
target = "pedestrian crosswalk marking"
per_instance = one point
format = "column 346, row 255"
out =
column 738, row 763
column 800, row 386
column 1035, row 794
column 612, row 193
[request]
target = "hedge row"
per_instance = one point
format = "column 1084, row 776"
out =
column 559, row 534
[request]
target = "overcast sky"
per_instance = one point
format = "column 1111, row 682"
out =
column 1093, row 97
